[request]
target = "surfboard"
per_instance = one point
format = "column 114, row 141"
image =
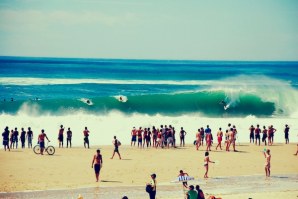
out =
column 86, row 101
column 121, row 98
column 183, row 179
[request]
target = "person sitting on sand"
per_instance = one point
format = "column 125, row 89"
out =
column 267, row 156
column 200, row 192
column 41, row 141
column 191, row 194
column 206, row 163
column 116, row 144
column 97, row 162
column 182, row 175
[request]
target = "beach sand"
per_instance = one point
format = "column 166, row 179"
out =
column 22, row 170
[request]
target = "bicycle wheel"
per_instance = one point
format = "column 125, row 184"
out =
column 36, row 149
column 50, row 150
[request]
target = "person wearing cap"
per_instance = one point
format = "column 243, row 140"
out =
column 60, row 136
column 29, row 137
column 152, row 193
column 287, row 129
column 41, row 141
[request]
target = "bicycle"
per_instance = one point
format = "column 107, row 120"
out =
column 49, row 149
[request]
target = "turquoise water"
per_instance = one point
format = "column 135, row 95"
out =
column 62, row 86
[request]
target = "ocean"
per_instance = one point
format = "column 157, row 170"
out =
column 110, row 96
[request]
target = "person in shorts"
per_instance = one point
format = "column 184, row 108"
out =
column 5, row 136
column 97, row 163
column 41, row 138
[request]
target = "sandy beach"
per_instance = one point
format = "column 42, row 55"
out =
column 22, row 170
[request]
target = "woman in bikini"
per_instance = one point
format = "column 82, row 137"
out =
column 267, row 156
column 206, row 163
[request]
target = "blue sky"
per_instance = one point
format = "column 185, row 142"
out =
column 155, row 29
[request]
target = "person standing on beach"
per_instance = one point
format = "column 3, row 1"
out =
column 264, row 138
column 286, row 131
column 257, row 134
column 140, row 137
column 86, row 137
column 206, row 163
column 60, row 136
column 251, row 134
column 152, row 183
column 208, row 141
column 219, row 138
column 41, row 141
column 11, row 139
column 198, row 139
column 133, row 136
column 23, row 138
column 154, row 136
column 97, row 163
column 29, row 137
column 5, row 136
column 202, row 133
column 182, row 137
column 116, row 144
column 68, row 138
column 267, row 156
column 271, row 132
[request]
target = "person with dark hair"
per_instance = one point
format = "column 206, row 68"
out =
column 182, row 137
column 60, row 136
column 86, row 137
column 41, row 141
column 182, row 175
column 29, row 137
column 23, row 137
column 257, row 134
column 5, row 136
column 191, row 194
column 97, row 163
column 251, row 134
column 267, row 156
column 116, row 144
column 15, row 137
column 68, row 138
column 124, row 197
column 152, row 185
column 219, row 138
column 287, row 129
column 200, row 192
column 206, row 163
column 264, row 135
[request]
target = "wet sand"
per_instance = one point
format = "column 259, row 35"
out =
column 69, row 173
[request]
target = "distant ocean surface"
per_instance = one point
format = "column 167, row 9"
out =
column 60, row 86
column 48, row 92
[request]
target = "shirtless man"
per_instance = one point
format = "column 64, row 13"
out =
column 251, row 134
column 68, row 138
column 60, row 136
column 219, row 138
column 208, row 141
column 116, row 144
column 231, row 139
column 182, row 175
column 198, row 139
column 97, row 162
column 257, row 134
column 41, row 141
column 29, row 137
column 202, row 133
column 133, row 136
column 140, row 137
column 265, row 135
column 182, row 137
column 227, row 140
column 86, row 137
column 267, row 162
column 271, row 132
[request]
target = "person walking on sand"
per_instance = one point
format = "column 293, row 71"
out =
column 60, row 136
column 182, row 137
column 152, row 185
column 206, row 163
column 41, row 141
column 23, row 138
column 86, row 137
column 29, row 137
column 68, row 138
column 208, row 141
column 116, row 144
column 183, row 177
column 286, row 131
column 267, row 156
column 5, row 136
column 219, row 138
column 97, row 163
